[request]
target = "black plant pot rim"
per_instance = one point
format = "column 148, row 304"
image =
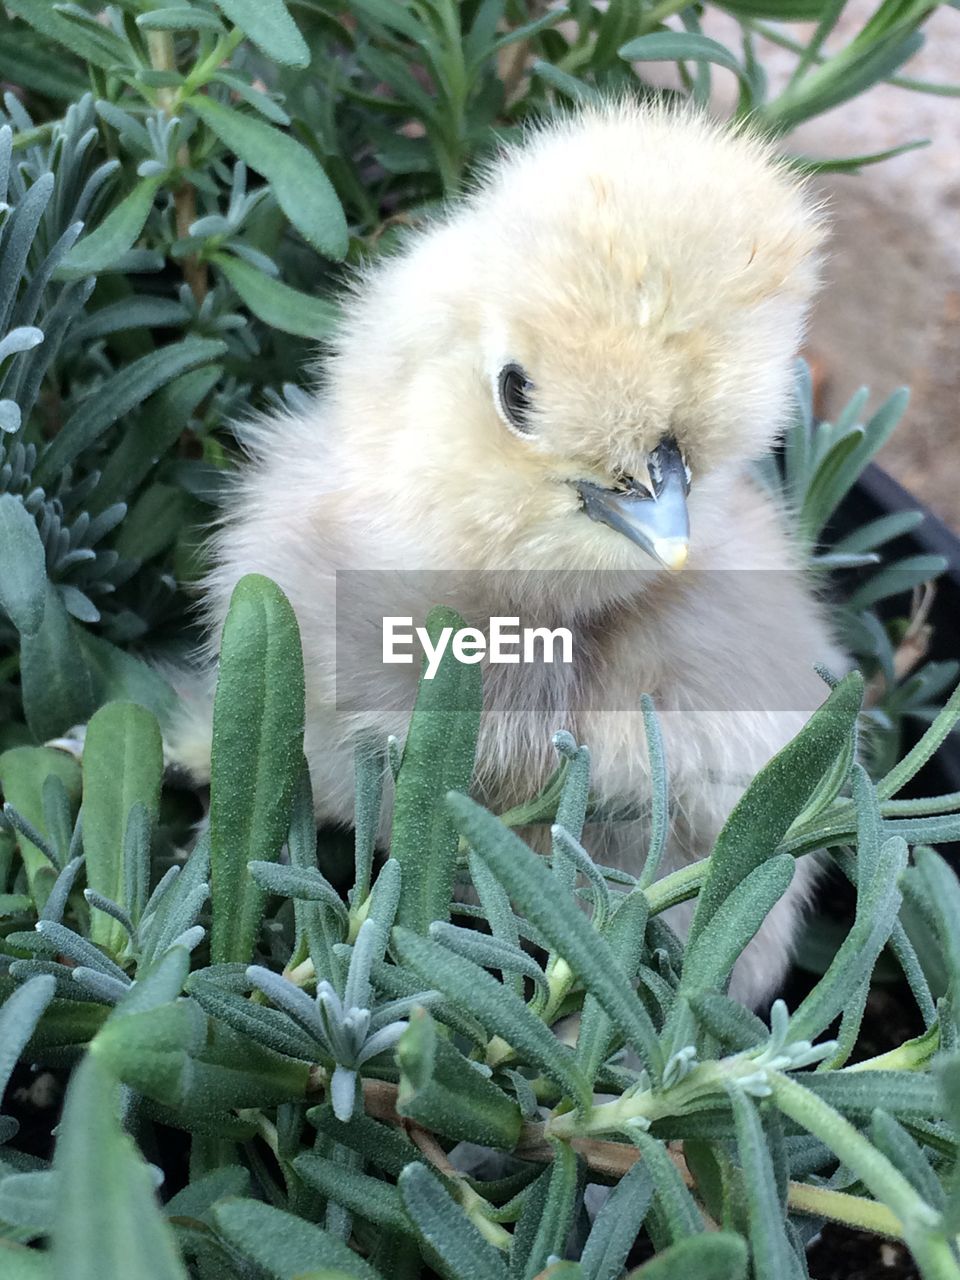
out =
column 878, row 494
column 933, row 537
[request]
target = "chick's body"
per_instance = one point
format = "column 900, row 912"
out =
column 623, row 295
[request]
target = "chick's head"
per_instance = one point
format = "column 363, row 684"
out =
column 599, row 338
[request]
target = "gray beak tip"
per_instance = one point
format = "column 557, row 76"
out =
column 658, row 522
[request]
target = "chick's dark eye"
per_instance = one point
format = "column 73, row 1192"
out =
column 514, row 388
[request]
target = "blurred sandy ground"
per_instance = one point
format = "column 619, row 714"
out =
column 889, row 313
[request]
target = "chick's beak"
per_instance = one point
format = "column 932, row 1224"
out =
column 655, row 518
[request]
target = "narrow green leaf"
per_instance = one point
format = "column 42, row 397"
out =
column 23, row 572
column 659, row 786
column 54, row 678
column 906, row 1154
column 878, row 901
column 948, row 1081
column 120, row 676
column 179, row 18
column 270, row 27
column 27, row 1200
column 131, row 313
column 122, row 767
column 381, row 1145
column 256, row 1022
column 446, row 1229
column 682, row 46
column 319, row 925
column 103, row 48
column 19, row 1015
column 718, row 1256
column 121, row 392
column 257, row 752
column 896, row 579
column 302, row 189
column 679, row 1208
column 108, row 1224
column 917, row 756
column 230, row 1071
column 442, row 1088
column 853, row 164
column 532, row 887
column 149, row 1050
column 710, row 958
column 770, row 1248
column 835, row 474
column 556, row 1216
column 617, row 1226
column 624, row 934
column 438, row 757
column 734, row 1026
column 777, row 796
column 275, row 303
column 904, row 1094
column 157, row 984
column 148, row 437
column 198, row 1197
column 938, row 884
column 851, row 72
column 23, row 775
column 305, row 884
column 494, row 1005
column 370, row 767
column 370, row 1198
column 572, row 88
column 284, row 1246
column 527, row 30
column 875, row 533
column 117, row 233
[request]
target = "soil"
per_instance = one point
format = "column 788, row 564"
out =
column 843, row 1254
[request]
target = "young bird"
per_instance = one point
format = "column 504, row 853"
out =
column 554, row 394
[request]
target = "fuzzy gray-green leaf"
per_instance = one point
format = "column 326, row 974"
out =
column 444, row 1226
column 777, row 796
column 257, row 734
column 438, row 757
column 531, row 886
column 108, row 1223
column 23, row 574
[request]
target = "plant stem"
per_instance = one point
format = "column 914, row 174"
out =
column 921, row 1224
column 659, row 14
column 914, row 760
column 615, row 1159
column 840, row 1206
column 641, row 1108
column 472, row 1201
column 301, row 975
column 677, row 887
column 163, row 57
column 811, row 53
column 912, row 1055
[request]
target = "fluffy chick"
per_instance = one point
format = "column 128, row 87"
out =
column 616, row 306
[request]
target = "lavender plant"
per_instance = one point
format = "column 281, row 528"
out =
column 455, row 1057
column 383, row 1092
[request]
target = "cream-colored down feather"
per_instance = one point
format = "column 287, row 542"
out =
column 651, row 271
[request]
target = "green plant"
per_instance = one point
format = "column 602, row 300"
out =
column 289, row 1051
column 820, row 464
column 330, row 1078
